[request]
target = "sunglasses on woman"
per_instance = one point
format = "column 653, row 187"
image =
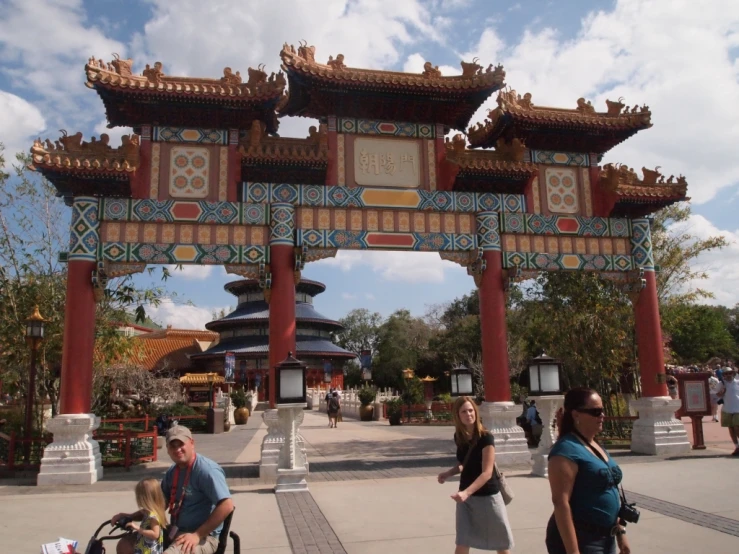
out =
column 595, row 412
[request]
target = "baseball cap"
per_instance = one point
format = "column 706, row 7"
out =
column 179, row 433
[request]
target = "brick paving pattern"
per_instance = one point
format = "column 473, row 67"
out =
column 307, row 528
column 683, row 513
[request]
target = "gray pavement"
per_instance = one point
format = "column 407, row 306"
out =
column 373, row 489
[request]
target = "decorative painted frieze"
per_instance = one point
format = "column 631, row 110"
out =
column 370, row 197
column 199, row 136
column 183, row 253
column 362, row 240
column 171, row 211
column 553, row 262
column 395, row 129
column 488, row 232
column 537, row 224
column 641, row 244
column 560, row 158
column 84, row 229
column 282, row 226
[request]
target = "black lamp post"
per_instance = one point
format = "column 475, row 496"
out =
column 34, row 336
column 545, row 376
column 290, row 377
column 461, row 377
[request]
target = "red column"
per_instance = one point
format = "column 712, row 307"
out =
column 281, row 311
column 79, row 339
column 493, row 329
column 649, row 339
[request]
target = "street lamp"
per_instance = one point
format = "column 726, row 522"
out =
column 290, row 380
column 461, row 381
column 545, row 376
column 34, row 336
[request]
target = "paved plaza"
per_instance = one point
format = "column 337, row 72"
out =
column 373, row 489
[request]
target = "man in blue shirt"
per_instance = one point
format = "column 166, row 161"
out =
column 198, row 499
column 532, row 417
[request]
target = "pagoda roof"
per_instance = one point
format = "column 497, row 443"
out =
column 636, row 197
column 155, row 98
column 170, row 353
column 259, row 346
column 501, row 170
column 257, row 311
column 201, row 378
column 319, row 90
column 581, row 129
column 241, row 286
column 79, row 168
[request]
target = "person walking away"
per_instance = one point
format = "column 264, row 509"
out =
column 481, row 515
column 333, row 409
column 198, row 499
column 729, row 393
column 328, row 397
column 532, row 417
column 150, row 532
column 714, row 385
column 584, row 482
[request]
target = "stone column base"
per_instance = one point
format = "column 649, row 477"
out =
column 291, row 480
column 657, row 431
column 511, row 447
column 272, row 445
column 73, row 458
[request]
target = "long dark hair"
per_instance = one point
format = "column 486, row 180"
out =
column 574, row 399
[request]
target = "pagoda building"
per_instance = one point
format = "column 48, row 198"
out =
column 245, row 332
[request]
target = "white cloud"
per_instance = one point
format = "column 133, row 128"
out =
column 722, row 266
column 369, row 296
column 410, row 267
column 182, row 316
column 414, row 64
column 348, row 296
column 20, row 122
column 678, row 61
column 191, row 272
column 114, row 134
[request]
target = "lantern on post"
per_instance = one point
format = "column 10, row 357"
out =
column 34, row 336
column 461, row 376
column 290, row 377
column 545, row 376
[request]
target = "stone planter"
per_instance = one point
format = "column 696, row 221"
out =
column 241, row 416
column 366, row 413
column 395, row 419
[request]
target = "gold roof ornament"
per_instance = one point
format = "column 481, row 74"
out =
column 71, row 152
column 201, row 378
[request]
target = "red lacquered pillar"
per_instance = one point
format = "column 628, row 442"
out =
column 646, row 314
column 493, row 311
column 282, row 292
column 79, row 312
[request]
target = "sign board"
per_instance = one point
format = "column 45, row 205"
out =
column 365, row 359
column 694, row 394
column 229, row 367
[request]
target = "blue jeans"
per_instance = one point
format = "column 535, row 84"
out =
column 589, row 543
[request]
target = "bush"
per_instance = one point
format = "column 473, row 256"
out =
column 413, row 393
column 445, row 397
column 367, row 395
column 238, row 399
column 178, row 409
column 394, row 410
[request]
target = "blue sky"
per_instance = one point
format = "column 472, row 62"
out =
column 680, row 61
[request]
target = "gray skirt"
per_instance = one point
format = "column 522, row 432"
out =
column 482, row 523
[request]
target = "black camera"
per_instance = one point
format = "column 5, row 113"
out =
column 628, row 513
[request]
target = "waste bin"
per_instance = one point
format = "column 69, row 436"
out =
column 214, row 420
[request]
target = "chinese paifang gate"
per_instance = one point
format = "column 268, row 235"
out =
column 205, row 179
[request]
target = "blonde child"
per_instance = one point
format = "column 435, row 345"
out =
column 150, row 530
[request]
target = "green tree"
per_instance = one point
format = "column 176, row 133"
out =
column 34, row 229
column 698, row 332
column 402, row 341
column 360, row 331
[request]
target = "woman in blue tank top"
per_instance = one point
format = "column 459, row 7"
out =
column 584, row 480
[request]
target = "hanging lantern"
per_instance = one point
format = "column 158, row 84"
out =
column 461, row 377
column 290, row 377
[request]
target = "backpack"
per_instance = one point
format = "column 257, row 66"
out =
column 333, row 404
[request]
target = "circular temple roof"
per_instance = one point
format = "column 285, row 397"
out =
column 252, row 285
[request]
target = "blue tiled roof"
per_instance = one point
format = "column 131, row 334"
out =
column 259, row 311
column 260, row 345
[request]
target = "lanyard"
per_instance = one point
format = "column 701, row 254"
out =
column 176, row 507
column 590, row 446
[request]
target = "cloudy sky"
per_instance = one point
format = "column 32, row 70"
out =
column 680, row 60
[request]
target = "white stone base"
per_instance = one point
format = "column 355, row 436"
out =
column 511, row 447
column 73, row 458
column 657, row 431
column 291, row 480
column 272, row 445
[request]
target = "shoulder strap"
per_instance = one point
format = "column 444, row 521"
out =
column 469, row 452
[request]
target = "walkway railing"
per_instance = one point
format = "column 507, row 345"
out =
column 196, row 423
column 617, row 429
column 419, row 413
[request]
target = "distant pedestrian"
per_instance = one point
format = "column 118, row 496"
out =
column 672, row 386
column 584, row 481
column 481, row 517
column 714, row 385
column 327, row 398
column 729, row 393
column 333, row 407
column 533, row 419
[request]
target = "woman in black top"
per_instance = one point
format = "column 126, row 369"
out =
column 482, row 520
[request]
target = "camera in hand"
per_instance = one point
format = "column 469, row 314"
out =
column 629, row 513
